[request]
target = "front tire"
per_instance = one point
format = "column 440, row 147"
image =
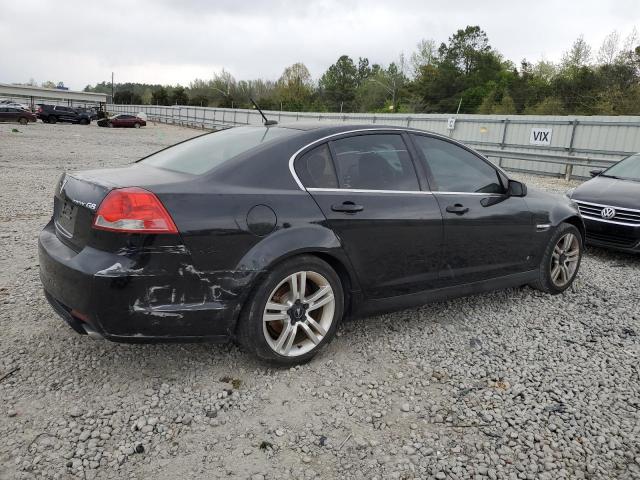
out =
column 293, row 312
column 136, row 125
column 52, row 119
column 561, row 260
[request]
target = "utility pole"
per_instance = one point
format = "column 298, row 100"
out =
column 112, row 101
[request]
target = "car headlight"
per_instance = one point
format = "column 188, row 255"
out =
column 569, row 192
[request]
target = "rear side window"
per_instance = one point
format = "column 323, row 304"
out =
column 454, row 169
column 206, row 152
column 315, row 168
column 374, row 162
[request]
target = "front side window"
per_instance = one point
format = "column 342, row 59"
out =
column 315, row 168
column 627, row 169
column 206, row 152
column 374, row 162
column 454, row 169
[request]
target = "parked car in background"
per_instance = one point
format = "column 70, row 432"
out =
column 269, row 235
column 58, row 113
column 123, row 120
column 12, row 103
column 14, row 114
column 610, row 205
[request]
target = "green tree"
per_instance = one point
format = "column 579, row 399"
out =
column 160, row 97
column 295, row 87
column 178, row 96
column 338, row 85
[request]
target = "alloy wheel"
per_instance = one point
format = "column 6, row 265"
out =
column 299, row 313
column 565, row 259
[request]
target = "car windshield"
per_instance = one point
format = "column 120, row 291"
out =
column 206, row 152
column 627, row 169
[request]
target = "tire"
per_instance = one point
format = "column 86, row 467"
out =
column 84, row 121
column 297, row 330
column 556, row 280
column 52, row 119
column 136, row 125
column 23, row 121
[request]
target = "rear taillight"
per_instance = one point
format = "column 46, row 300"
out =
column 39, row 109
column 133, row 210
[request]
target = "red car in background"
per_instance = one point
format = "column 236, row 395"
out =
column 10, row 113
column 123, row 120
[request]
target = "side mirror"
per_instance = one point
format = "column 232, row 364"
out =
column 516, row 189
column 595, row 173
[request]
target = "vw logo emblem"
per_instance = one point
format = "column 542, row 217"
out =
column 608, row 213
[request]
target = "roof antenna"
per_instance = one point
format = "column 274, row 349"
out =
column 266, row 122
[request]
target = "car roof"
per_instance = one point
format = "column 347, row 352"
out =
column 332, row 128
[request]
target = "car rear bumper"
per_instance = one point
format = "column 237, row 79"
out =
column 110, row 295
column 610, row 235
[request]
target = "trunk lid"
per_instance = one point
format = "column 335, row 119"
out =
column 79, row 194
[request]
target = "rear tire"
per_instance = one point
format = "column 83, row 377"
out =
column 84, row 121
column 136, row 125
column 561, row 260
column 23, row 121
column 293, row 312
column 52, row 119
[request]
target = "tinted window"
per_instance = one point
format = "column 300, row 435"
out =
column 209, row 151
column 455, row 169
column 374, row 162
column 315, row 168
column 629, row 168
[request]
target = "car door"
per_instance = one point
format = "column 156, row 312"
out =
column 366, row 186
column 487, row 233
column 4, row 114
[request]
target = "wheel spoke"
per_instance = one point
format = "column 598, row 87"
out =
column 321, row 291
column 272, row 317
column 292, row 337
column 573, row 254
column 312, row 336
column 279, row 307
column 322, row 302
column 302, row 285
column 565, row 274
column 555, row 272
column 293, row 286
column 568, row 239
column 284, row 335
column 317, row 327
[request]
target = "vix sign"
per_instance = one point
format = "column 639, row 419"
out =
column 540, row 136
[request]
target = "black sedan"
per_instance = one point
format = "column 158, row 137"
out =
column 610, row 205
column 271, row 235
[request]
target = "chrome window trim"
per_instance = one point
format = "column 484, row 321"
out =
column 600, row 205
column 292, row 159
column 360, row 190
column 473, row 193
column 637, row 225
column 410, row 192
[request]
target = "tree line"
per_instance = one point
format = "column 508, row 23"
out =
column 464, row 74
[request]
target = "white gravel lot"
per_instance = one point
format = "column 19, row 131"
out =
column 514, row 384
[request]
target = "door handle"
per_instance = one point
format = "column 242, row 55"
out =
column 458, row 209
column 347, row 207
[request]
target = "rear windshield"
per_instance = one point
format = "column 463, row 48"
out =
column 209, row 151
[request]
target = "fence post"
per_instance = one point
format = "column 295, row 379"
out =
column 408, row 122
column 504, row 137
column 569, row 168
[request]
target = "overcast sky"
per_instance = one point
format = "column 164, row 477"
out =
column 170, row 41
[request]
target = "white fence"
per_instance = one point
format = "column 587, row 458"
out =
column 567, row 146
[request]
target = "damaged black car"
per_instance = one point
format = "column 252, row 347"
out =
column 271, row 235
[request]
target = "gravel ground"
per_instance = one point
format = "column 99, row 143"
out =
column 514, row 384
